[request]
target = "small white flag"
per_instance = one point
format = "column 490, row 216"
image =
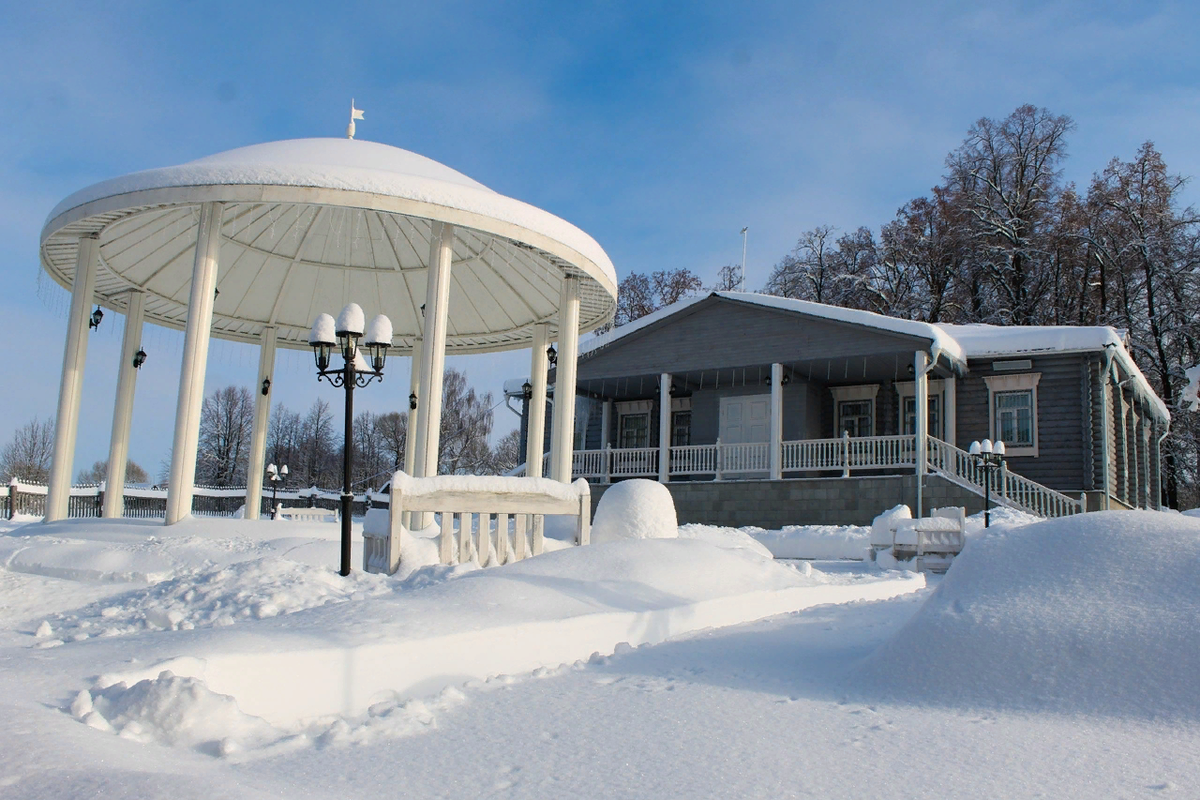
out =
column 355, row 113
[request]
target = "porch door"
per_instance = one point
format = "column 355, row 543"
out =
column 746, row 420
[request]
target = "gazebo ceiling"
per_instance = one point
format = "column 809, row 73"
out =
column 312, row 224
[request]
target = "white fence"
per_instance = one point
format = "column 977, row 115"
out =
column 815, row 457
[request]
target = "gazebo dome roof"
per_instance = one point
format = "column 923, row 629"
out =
column 312, row 224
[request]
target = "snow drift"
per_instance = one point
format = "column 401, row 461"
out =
column 1095, row 613
column 635, row 509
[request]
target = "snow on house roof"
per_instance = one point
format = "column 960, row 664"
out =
column 940, row 340
column 981, row 341
column 957, row 342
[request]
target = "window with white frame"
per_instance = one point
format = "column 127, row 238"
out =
column 633, row 423
column 681, row 421
column 855, row 407
column 939, row 408
column 1013, row 411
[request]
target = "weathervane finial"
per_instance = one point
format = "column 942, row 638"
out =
column 355, row 113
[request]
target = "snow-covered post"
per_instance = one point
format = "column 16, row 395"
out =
column 921, row 367
column 70, row 387
column 262, row 419
column 433, row 353
column 195, row 361
column 776, row 421
column 118, row 447
column 664, row 427
column 562, row 437
column 535, row 438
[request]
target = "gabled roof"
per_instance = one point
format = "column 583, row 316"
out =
column 941, row 341
column 957, row 342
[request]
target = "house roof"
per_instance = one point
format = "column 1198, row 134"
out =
column 957, row 342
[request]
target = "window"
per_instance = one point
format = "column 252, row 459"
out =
column 634, row 430
column 855, row 406
column 1012, row 411
column 935, row 416
column 681, row 428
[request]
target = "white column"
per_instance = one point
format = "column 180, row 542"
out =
column 950, row 412
column 562, row 435
column 118, row 447
column 664, row 427
column 433, row 354
column 776, row 421
column 535, row 431
column 70, row 387
column 195, row 361
column 410, row 432
column 921, row 367
column 262, row 420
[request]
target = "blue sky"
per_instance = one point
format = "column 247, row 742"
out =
column 659, row 128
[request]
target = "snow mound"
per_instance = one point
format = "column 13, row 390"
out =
column 729, row 538
column 174, row 711
column 257, row 589
column 352, row 319
column 881, row 526
column 635, row 509
column 825, row 542
column 324, row 330
column 1092, row 613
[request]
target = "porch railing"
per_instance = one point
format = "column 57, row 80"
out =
column 842, row 455
column 1007, row 488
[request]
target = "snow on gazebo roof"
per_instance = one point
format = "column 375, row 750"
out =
column 312, row 224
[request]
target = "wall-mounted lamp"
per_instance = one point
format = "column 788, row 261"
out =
column 94, row 322
column 139, row 358
column 552, row 354
column 526, row 391
column 412, row 402
column 266, row 386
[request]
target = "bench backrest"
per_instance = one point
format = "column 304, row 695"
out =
column 475, row 514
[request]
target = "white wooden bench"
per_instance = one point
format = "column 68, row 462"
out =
column 474, row 514
column 297, row 514
column 940, row 535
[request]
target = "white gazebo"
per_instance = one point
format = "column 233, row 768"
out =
column 252, row 243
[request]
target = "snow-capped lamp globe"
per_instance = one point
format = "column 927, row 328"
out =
column 989, row 456
column 345, row 332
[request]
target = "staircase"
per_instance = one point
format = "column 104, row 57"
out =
column 1007, row 488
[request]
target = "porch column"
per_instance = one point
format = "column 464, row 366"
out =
column 433, row 353
column 776, row 421
column 664, row 427
column 535, row 434
column 262, row 420
column 118, row 445
column 921, row 373
column 410, row 430
column 195, row 361
column 562, row 435
column 950, row 412
column 70, row 387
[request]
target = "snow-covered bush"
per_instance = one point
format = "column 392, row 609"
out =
column 881, row 528
column 635, row 509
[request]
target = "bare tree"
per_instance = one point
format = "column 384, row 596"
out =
column 1006, row 175
column 28, row 454
column 99, row 472
column 466, row 426
column 639, row 295
column 226, row 417
column 809, row 272
column 392, row 430
column 729, row 279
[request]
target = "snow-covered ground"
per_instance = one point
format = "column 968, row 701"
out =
column 225, row 658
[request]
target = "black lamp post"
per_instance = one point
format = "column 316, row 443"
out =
column 345, row 334
column 989, row 457
column 276, row 474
